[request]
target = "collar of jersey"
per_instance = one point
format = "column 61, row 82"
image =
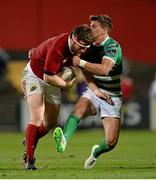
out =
column 103, row 42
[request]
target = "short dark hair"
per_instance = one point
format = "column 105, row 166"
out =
column 83, row 33
column 105, row 20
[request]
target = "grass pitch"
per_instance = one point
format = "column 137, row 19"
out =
column 134, row 157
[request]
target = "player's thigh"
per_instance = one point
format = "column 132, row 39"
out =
column 112, row 129
column 52, row 105
column 51, row 114
column 84, row 107
column 36, row 108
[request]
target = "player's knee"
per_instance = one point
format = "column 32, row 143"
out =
column 111, row 142
column 36, row 119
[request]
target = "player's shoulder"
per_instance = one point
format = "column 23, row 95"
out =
column 58, row 41
column 63, row 36
column 112, row 43
column 58, row 38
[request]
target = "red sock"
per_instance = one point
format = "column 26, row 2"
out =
column 31, row 140
column 42, row 131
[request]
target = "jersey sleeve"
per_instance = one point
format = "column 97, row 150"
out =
column 112, row 52
column 53, row 61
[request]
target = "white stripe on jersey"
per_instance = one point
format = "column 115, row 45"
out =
column 106, row 57
column 108, row 78
column 116, row 85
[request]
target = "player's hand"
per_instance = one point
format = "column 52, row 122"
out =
column 105, row 96
column 30, row 53
column 70, row 83
column 76, row 61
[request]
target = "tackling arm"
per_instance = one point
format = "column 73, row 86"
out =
column 99, row 69
column 91, row 84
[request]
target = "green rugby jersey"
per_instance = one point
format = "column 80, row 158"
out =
column 109, row 49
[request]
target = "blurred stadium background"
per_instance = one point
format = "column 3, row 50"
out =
column 25, row 24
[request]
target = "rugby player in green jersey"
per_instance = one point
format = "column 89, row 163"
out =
column 102, row 67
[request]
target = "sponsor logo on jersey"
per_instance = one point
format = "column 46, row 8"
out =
column 111, row 52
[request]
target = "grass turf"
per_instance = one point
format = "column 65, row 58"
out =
column 134, row 157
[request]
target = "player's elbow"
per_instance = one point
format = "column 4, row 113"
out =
column 50, row 79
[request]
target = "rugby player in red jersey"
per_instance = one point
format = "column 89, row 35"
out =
column 41, row 84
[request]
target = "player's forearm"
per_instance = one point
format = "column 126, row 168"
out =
column 90, row 82
column 97, row 69
column 55, row 81
column 93, row 87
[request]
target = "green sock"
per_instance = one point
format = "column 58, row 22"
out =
column 101, row 149
column 70, row 126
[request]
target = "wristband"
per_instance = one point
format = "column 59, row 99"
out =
column 82, row 63
column 96, row 91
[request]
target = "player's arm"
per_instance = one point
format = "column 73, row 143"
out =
column 91, row 84
column 52, row 64
column 99, row 69
column 55, row 80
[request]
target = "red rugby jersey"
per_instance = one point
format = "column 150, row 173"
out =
column 50, row 56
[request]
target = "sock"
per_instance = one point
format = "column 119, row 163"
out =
column 70, row 126
column 31, row 139
column 103, row 148
column 42, row 131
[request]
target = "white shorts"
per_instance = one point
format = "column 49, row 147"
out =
column 106, row 110
column 31, row 84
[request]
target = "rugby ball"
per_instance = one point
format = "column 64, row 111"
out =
column 67, row 73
